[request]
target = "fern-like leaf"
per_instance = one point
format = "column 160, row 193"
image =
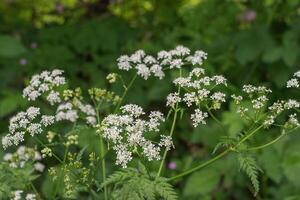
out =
column 248, row 165
column 118, row 177
column 165, row 190
column 225, row 142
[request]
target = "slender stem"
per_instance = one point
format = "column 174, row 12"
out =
column 249, row 135
column 125, row 93
column 215, row 118
column 200, row 166
column 54, row 155
column 61, row 171
column 102, row 155
column 165, row 152
column 171, row 132
column 216, row 157
column 272, row 141
column 267, row 144
column 35, row 191
column 103, row 165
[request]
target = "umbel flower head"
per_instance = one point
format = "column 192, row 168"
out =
column 200, row 91
column 45, row 83
column 68, row 107
column 147, row 65
column 23, row 156
column 128, row 132
column 294, row 82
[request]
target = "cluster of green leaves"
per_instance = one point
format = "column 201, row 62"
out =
column 138, row 184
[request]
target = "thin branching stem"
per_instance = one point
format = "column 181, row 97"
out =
column 176, row 109
column 125, row 93
column 225, row 152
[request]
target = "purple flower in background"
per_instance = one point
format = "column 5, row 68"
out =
column 23, row 61
column 172, row 165
column 59, row 8
column 33, row 45
column 247, row 16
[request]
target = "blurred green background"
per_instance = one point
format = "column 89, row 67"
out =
column 247, row 41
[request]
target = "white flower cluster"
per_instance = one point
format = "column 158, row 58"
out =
column 200, row 92
column 65, row 111
column 45, row 83
column 277, row 108
column 147, row 64
column 127, row 132
column 294, row 82
column 257, row 95
column 26, row 122
column 198, row 117
column 17, row 195
column 22, row 156
column 68, row 111
column 259, row 101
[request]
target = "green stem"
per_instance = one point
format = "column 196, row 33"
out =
column 200, row 166
column 214, row 118
column 54, row 155
column 267, row 144
column 216, row 157
column 102, row 155
column 61, row 171
column 35, row 191
column 125, row 93
column 171, row 132
column 165, row 152
column 273, row 141
column 103, row 166
column 249, row 135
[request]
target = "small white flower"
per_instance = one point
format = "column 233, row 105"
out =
column 30, row 197
column 157, row 71
column 198, row 117
column 269, row 121
column 44, row 82
column 218, row 96
column 34, row 129
column 47, row 120
column 133, row 110
column 53, row 98
column 151, row 151
column 219, row 80
column 32, row 112
column 166, row 141
column 297, row 74
column 291, row 103
column 143, row 71
column 91, row 120
column 189, row 98
column 176, row 63
column 197, row 72
column 197, row 58
column 123, row 155
column 172, row 99
column 39, row 167
column 123, row 63
column 17, row 195
column 292, row 83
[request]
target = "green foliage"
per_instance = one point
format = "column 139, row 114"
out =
column 137, row 184
column 87, row 36
column 10, row 47
column 248, row 165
